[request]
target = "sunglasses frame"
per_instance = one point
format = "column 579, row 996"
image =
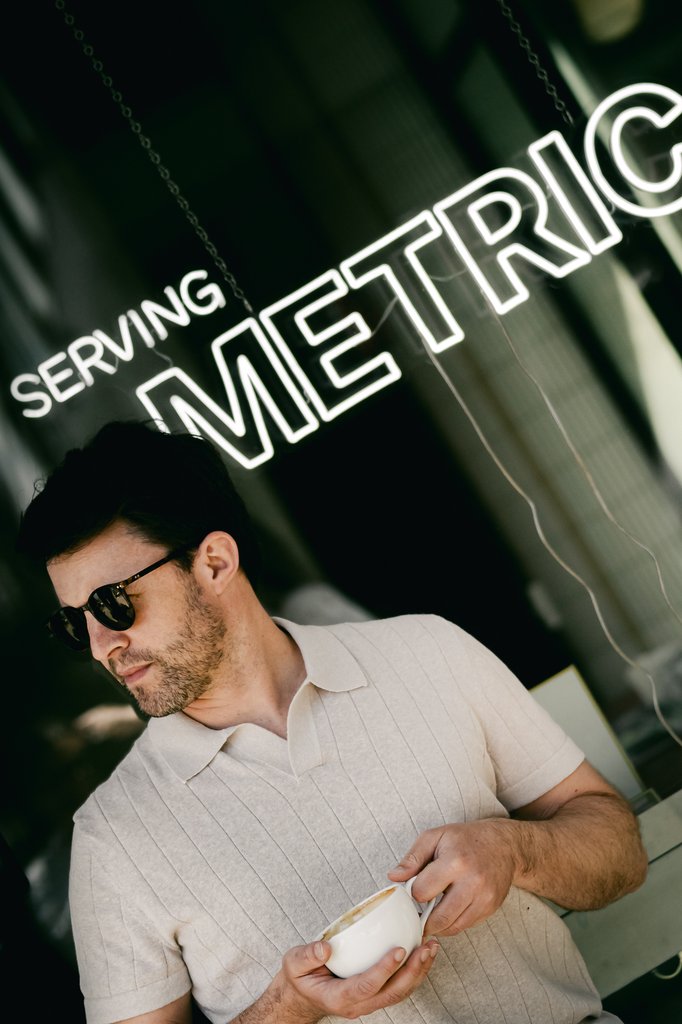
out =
column 60, row 627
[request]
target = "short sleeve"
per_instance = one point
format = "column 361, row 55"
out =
column 125, row 968
column 529, row 751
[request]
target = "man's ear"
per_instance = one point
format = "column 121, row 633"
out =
column 216, row 562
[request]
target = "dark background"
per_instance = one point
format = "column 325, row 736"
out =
column 265, row 115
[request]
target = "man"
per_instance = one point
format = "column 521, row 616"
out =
column 286, row 771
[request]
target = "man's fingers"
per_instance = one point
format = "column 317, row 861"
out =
column 388, row 982
column 417, row 962
column 460, row 909
column 432, row 880
column 364, row 986
column 301, row 960
column 450, row 916
column 393, row 979
column 420, row 853
column 409, row 976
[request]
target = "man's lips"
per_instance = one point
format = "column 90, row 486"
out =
column 129, row 676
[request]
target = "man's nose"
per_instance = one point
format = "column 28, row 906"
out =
column 104, row 641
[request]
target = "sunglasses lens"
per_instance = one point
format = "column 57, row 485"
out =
column 112, row 607
column 68, row 625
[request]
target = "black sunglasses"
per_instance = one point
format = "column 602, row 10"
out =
column 109, row 604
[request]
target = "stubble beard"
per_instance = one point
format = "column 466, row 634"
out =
column 185, row 668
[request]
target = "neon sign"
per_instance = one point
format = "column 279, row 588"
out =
column 75, row 365
column 304, row 360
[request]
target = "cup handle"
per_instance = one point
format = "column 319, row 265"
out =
column 424, row 916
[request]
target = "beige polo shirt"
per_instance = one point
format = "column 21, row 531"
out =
column 208, row 853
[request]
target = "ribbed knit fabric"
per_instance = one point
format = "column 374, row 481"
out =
column 208, row 853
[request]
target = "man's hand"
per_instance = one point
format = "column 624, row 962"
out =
column 304, row 990
column 471, row 864
column 577, row 845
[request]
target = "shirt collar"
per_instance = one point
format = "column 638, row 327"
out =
column 189, row 747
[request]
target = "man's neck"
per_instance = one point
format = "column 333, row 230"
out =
column 262, row 670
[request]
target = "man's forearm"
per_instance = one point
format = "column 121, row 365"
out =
column 583, row 857
column 274, row 1008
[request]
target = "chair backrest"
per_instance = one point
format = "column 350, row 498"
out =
column 568, row 700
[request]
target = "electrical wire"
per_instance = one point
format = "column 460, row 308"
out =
column 538, row 525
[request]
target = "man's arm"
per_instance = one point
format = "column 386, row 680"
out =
column 577, row 845
column 303, row 991
column 177, row 1012
column 588, row 830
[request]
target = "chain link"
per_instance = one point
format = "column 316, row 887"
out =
column 155, row 158
column 534, row 60
column 174, row 188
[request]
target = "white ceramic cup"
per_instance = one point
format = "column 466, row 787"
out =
column 360, row 937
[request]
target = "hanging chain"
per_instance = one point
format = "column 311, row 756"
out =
column 155, row 158
column 534, row 60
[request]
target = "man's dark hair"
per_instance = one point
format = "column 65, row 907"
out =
column 172, row 488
